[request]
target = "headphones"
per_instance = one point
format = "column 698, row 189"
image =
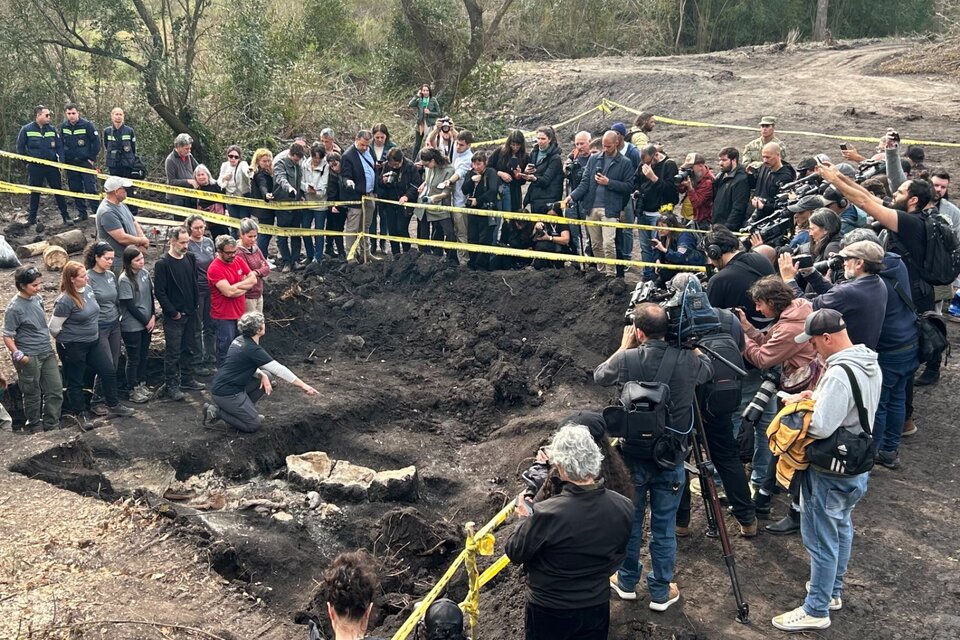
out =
column 714, row 252
column 832, row 194
column 715, row 246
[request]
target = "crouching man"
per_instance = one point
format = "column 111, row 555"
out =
column 845, row 398
column 570, row 544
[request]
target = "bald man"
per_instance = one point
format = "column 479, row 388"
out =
column 766, row 183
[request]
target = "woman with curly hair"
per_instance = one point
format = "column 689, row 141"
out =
column 349, row 584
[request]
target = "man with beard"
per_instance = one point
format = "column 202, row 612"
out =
column 641, row 127
column 654, row 182
column 698, row 189
column 229, row 280
column 731, row 191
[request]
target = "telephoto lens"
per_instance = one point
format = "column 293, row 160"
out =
column 768, row 389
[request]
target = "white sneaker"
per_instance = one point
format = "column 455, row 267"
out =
column 798, row 620
column 621, row 593
column 674, row 595
column 835, row 603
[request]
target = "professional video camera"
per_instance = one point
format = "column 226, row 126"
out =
column 869, row 168
column 773, row 229
column 689, row 313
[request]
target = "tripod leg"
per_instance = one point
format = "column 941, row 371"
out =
column 715, row 512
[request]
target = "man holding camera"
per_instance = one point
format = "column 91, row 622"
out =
column 570, row 543
column 603, row 192
column 645, row 355
column 768, row 181
column 845, row 398
column 697, row 186
column 731, row 191
column 656, row 188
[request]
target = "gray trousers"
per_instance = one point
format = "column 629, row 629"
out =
column 358, row 218
column 239, row 410
column 42, row 389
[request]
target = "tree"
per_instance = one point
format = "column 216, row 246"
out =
column 820, row 22
column 447, row 64
column 159, row 40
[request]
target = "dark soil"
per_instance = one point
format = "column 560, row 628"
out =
column 463, row 375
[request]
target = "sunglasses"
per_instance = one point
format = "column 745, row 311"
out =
column 31, row 273
column 233, row 155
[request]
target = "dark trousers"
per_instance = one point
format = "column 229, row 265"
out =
column 545, row 246
column 239, row 410
column 336, row 222
column 379, row 218
column 137, row 344
column 37, row 175
column 237, row 212
column 226, row 331
column 82, row 183
column 264, row 216
column 205, row 342
column 590, row 623
column 79, row 357
column 726, row 458
column 438, row 230
column 289, row 248
column 479, row 231
column 313, row 245
column 180, row 336
column 398, row 224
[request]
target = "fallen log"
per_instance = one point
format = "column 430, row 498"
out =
column 72, row 241
column 55, row 257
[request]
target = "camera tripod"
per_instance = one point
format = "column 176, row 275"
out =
column 716, row 527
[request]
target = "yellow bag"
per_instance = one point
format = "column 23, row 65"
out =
column 788, row 439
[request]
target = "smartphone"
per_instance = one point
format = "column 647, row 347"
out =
column 844, row 146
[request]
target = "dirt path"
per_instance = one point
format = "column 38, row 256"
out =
column 463, row 375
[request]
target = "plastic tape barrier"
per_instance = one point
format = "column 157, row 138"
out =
column 602, row 107
column 421, row 609
column 520, row 253
column 174, row 210
column 187, row 192
column 534, row 217
column 737, row 127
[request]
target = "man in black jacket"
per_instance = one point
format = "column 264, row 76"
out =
column 767, row 182
column 654, row 182
column 644, row 355
column 570, row 544
column 731, row 191
column 175, row 282
column 81, row 145
column 358, row 179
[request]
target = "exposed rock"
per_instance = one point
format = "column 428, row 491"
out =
column 354, row 342
column 400, row 485
column 347, row 483
column 329, row 511
column 313, row 499
column 282, row 516
column 308, row 470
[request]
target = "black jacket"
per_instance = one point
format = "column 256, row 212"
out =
column 81, row 142
column 487, row 191
column 571, row 544
column 171, row 297
column 767, row 184
column 731, row 197
column 351, row 168
column 727, row 289
column 404, row 181
column 654, row 195
column 548, row 187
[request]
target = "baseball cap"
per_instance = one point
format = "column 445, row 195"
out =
column 806, row 203
column 847, row 169
column 692, row 159
column 115, row 182
column 864, row 250
column 832, row 195
column 620, row 128
column 768, row 120
column 807, row 163
column 821, row 322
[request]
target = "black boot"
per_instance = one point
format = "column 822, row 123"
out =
column 762, row 504
column 789, row 524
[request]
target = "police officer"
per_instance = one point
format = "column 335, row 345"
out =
column 81, row 144
column 39, row 139
column 120, row 147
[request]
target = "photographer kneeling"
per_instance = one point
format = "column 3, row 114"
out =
column 674, row 247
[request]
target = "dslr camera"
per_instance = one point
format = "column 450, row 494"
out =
column 683, row 175
column 390, row 177
column 445, row 123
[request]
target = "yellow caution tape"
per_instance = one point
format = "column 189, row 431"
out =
column 737, row 127
column 493, row 570
column 530, row 134
column 187, row 192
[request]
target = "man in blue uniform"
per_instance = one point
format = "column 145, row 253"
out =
column 120, row 147
column 81, row 144
column 39, row 139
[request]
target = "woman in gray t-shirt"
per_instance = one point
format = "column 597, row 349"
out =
column 138, row 319
column 201, row 246
column 76, row 328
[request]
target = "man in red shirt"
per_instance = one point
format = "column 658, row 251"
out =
column 229, row 280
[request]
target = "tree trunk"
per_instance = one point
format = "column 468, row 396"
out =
column 73, row 240
column 820, row 22
column 55, row 258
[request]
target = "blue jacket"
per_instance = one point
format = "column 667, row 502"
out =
column 39, row 142
column 120, row 146
column 900, row 321
column 857, row 300
column 81, row 142
column 620, row 174
column 691, row 254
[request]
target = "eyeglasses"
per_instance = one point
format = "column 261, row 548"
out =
column 228, row 253
column 233, row 155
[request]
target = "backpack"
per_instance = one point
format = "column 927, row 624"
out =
column 690, row 314
column 721, row 395
column 642, row 417
column 940, row 265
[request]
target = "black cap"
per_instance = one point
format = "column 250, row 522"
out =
column 821, row 322
column 806, row 164
column 806, row 203
column 592, row 420
column 442, row 617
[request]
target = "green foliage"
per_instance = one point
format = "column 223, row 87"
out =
column 331, row 28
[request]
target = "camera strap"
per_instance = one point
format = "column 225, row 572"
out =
column 858, row 399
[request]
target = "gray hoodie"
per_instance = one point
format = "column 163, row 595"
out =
column 835, row 406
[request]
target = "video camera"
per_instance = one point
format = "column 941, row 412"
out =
column 869, row 168
column 689, row 313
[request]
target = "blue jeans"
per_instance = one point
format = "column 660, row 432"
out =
column 826, row 502
column 314, row 244
column 238, row 212
column 264, row 216
column 226, row 331
column 625, row 239
column 897, row 368
column 761, row 451
column 647, row 253
column 665, row 488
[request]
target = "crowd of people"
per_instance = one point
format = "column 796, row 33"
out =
column 817, row 272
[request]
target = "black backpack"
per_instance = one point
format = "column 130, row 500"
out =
column 642, row 417
column 721, row 395
column 940, row 265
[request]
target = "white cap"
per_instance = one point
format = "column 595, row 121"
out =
column 115, row 182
